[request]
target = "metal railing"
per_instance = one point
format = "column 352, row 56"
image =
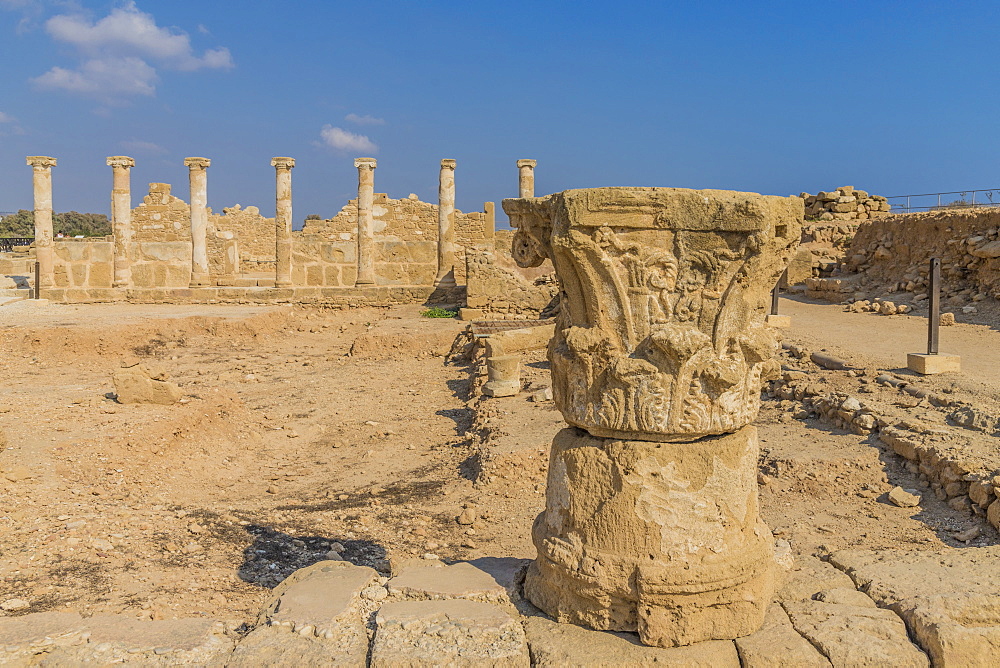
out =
column 7, row 244
column 940, row 201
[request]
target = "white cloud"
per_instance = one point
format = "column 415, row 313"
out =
column 6, row 118
column 364, row 120
column 121, row 52
column 143, row 146
column 342, row 140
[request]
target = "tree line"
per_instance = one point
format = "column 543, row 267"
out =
column 69, row 224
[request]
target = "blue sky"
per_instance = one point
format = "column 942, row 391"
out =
column 772, row 97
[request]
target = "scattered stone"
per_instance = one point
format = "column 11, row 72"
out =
column 904, row 498
column 14, row 605
column 453, row 632
column 542, row 395
column 947, row 319
column 144, row 384
column 467, row 517
column 374, row 593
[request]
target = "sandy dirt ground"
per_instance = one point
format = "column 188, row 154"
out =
column 304, row 432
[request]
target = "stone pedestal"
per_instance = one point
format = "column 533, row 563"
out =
column 121, row 218
column 659, row 353
column 779, row 321
column 446, row 225
column 927, row 365
column 198, row 179
column 504, row 376
column 283, row 221
column 42, row 185
column 659, row 538
column 526, row 177
column 366, row 222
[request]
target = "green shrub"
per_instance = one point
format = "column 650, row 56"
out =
column 438, row 312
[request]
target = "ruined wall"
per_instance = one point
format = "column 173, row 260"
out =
column 844, row 203
column 161, row 216
column 84, row 263
column 161, row 264
column 892, row 253
column 406, row 232
column 254, row 233
column 499, row 290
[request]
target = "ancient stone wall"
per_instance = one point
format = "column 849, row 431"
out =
column 161, row 216
column 83, row 263
column 844, row 203
column 254, row 233
column 892, row 253
column 161, row 264
column 499, row 290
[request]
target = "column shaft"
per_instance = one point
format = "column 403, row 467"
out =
column 446, row 225
column 198, row 178
column 42, row 184
column 366, row 223
column 121, row 218
column 526, row 177
column 283, row 221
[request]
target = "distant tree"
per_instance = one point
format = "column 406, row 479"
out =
column 71, row 224
column 313, row 216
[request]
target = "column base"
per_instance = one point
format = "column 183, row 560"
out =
column 779, row 321
column 927, row 365
column 659, row 538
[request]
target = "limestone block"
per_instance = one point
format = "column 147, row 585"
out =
column 554, row 644
column 519, row 340
column 322, row 600
column 78, row 274
column 102, row 251
column 933, row 364
column 314, row 275
column 856, row 636
column 704, row 570
column 504, row 376
column 455, row 633
column 34, row 634
column 810, row 576
column 777, row 643
column 101, row 275
column 960, row 629
column 464, row 580
column 778, row 321
column 277, row 647
column 144, row 384
column 663, row 335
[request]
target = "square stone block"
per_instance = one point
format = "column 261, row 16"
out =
column 931, row 364
column 779, row 321
column 471, row 314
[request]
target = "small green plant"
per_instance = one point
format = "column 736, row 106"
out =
column 438, row 312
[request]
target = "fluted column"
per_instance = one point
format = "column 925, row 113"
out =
column 366, row 224
column 121, row 217
column 446, row 225
column 526, row 177
column 283, row 221
column 42, row 182
column 198, row 178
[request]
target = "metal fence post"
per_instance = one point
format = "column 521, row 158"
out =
column 38, row 274
column 934, row 307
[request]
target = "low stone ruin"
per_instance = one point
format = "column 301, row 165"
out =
column 844, row 203
column 660, row 348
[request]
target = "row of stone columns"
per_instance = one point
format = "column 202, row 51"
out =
column 121, row 218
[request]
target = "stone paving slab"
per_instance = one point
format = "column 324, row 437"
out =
column 808, row 577
column 850, row 635
column 434, row 579
column 27, row 635
column 278, row 647
column 777, row 643
column 447, row 633
column 554, row 644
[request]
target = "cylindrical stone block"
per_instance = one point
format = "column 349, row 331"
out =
column 662, row 539
column 121, row 217
column 526, row 177
column 366, row 222
column 446, row 225
column 283, row 221
column 42, row 185
column 198, row 179
column 504, row 373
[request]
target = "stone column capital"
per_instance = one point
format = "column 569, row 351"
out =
column 197, row 163
column 282, row 163
column 526, row 163
column 365, row 163
column 120, row 161
column 41, row 161
column 448, row 163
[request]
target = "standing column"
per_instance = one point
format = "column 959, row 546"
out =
column 283, row 221
column 366, row 224
column 198, row 179
column 42, row 183
column 446, row 225
column 121, row 217
column 526, row 177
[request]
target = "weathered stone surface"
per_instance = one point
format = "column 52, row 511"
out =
column 661, row 334
column 278, row 647
column 28, row 635
column 856, row 636
column 447, row 633
column 810, row 576
column 435, row 580
column 904, row 498
column 144, row 384
column 322, row 600
column 777, row 643
column 660, row 539
column 956, row 630
column 554, row 644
